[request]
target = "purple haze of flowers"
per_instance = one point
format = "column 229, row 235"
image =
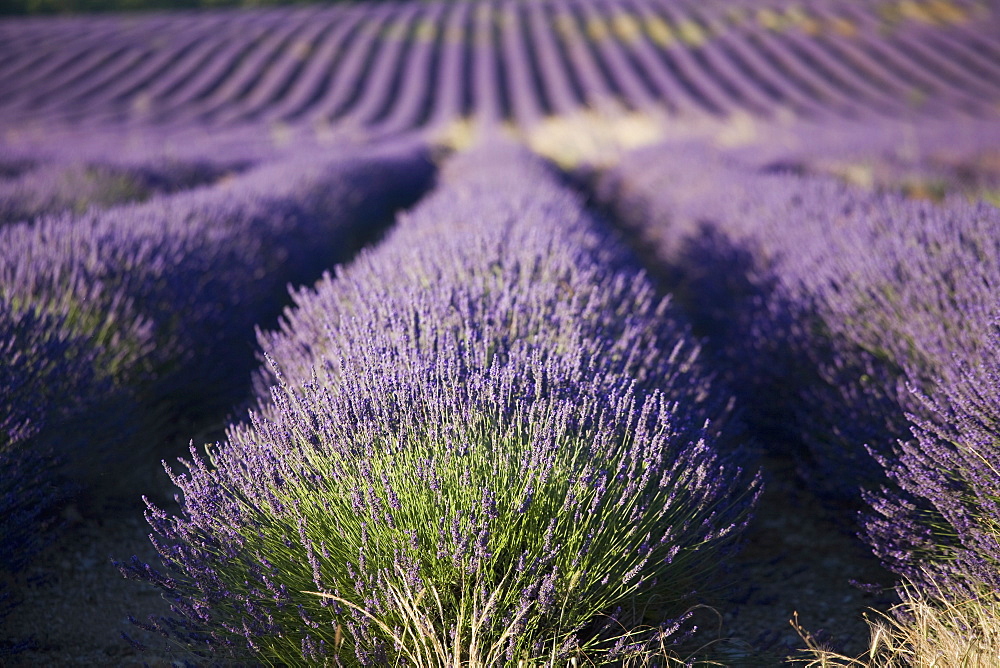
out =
column 77, row 186
column 490, row 418
column 815, row 296
column 167, row 293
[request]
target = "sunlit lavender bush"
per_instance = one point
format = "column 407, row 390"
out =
column 114, row 321
column 939, row 528
column 491, row 446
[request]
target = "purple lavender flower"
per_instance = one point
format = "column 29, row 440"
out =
column 77, row 186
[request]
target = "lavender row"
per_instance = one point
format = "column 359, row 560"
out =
column 487, row 436
column 40, row 361
column 57, row 186
column 816, row 295
column 377, row 69
column 122, row 319
column 858, row 324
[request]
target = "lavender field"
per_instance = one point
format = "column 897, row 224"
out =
column 514, row 332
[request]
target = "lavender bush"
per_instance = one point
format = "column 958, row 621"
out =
column 490, row 445
column 745, row 267
column 45, row 378
column 38, row 366
column 940, row 530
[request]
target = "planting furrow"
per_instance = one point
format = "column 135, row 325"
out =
column 528, row 103
column 72, row 101
column 796, row 71
column 599, row 86
column 118, row 102
column 68, row 48
column 317, row 69
column 215, row 72
column 22, row 63
column 249, row 72
column 688, row 42
column 909, row 59
column 450, row 97
column 948, row 65
column 882, row 66
column 967, row 50
column 193, row 74
column 671, row 87
column 174, row 37
column 742, row 46
column 630, row 75
column 490, row 93
column 742, row 84
column 416, row 78
column 519, row 61
column 554, row 70
column 267, row 79
column 380, row 88
column 826, row 55
column 677, row 58
column 294, row 78
column 144, row 103
column 350, row 77
column 50, row 91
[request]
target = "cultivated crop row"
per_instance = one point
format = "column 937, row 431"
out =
column 393, row 67
column 490, row 436
column 859, row 329
column 118, row 321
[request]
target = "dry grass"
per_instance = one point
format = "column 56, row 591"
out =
column 923, row 633
column 424, row 641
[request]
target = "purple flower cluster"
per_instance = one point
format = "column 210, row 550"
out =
column 112, row 319
column 490, row 421
column 38, row 362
